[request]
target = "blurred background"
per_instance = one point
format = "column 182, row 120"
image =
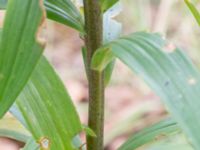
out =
column 130, row 104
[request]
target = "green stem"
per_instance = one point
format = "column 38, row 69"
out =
column 93, row 40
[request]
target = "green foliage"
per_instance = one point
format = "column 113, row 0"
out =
column 11, row 128
column 19, row 51
column 162, row 129
column 106, row 4
column 31, row 145
column 162, row 69
column 43, row 104
column 61, row 11
column 65, row 12
column 173, row 142
column 44, row 93
column 194, row 10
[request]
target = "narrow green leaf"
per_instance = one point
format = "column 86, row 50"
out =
column 48, row 110
column 173, row 142
column 108, row 72
column 19, row 50
column 168, row 71
column 11, row 128
column 194, row 11
column 152, row 133
column 106, row 4
column 64, row 11
column 84, row 56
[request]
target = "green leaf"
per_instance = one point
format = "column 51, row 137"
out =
column 194, row 11
column 64, row 11
column 168, row 71
column 152, row 133
column 173, row 142
column 11, row 128
column 108, row 72
column 84, row 56
column 47, row 109
column 105, row 55
column 106, row 4
column 31, row 145
column 19, row 50
column 3, row 4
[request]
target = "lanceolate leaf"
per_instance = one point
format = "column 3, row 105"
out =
column 106, row 4
column 19, row 50
column 48, row 110
column 194, row 10
column 152, row 133
column 65, row 12
column 169, row 73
